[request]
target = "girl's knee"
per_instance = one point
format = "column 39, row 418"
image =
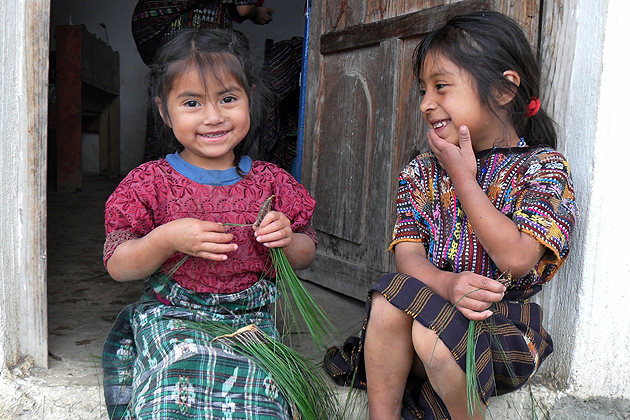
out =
column 386, row 314
column 380, row 306
column 428, row 346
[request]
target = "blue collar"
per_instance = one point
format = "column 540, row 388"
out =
column 207, row 176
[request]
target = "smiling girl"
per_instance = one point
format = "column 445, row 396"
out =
column 491, row 201
column 168, row 221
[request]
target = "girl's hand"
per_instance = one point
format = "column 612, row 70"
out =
column 457, row 160
column 473, row 294
column 274, row 230
column 199, row 238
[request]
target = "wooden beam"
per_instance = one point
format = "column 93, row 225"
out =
column 411, row 24
column 33, row 331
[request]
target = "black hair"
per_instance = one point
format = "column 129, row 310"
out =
column 485, row 45
column 213, row 53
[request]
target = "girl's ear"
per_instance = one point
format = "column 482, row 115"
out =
column 160, row 106
column 504, row 97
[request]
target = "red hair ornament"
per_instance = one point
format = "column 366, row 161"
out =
column 532, row 107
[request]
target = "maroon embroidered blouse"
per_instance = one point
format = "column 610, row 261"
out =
column 154, row 194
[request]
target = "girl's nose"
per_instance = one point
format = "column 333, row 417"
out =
column 426, row 104
column 213, row 115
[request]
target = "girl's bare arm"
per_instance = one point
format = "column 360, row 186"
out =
column 138, row 258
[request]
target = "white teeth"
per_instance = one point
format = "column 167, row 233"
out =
column 213, row 135
column 439, row 124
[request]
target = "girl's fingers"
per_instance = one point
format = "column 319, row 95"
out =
column 475, row 304
column 465, row 144
column 474, row 315
column 487, row 284
column 271, row 222
column 274, row 231
column 434, row 141
column 464, row 138
column 215, row 251
column 219, row 238
column 474, row 294
column 278, row 239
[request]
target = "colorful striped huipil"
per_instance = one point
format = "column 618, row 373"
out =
column 531, row 186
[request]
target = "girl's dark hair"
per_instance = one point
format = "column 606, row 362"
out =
column 485, row 45
column 213, row 53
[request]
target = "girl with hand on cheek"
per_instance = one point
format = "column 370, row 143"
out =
column 483, row 220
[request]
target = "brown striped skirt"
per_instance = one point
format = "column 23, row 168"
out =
column 511, row 345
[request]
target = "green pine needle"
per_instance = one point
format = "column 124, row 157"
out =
column 299, row 301
column 474, row 402
column 301, row 383
column 473, row 397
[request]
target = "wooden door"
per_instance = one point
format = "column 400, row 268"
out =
column 363, row 124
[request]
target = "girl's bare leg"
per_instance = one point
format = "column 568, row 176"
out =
column 446, row 377
column 389, row 356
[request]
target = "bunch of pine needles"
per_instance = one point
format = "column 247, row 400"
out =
column 473, row 397
column 298, row 300
column 300, row 382
column 298, row 379
column 474, row 402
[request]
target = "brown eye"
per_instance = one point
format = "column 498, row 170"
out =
column 191, row 103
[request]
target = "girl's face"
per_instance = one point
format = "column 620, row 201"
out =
column 209, row 119
column 450, row 100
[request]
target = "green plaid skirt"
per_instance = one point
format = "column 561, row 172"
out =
column 155, row 366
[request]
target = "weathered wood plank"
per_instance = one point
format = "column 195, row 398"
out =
column 342, row 276
column 558, row 36
column 382, row 174
column 411, row 24
column 312, row 102
column 526, row 13
column 339, row 14
column 412, row 131
column 344, row 144
column 33, row 332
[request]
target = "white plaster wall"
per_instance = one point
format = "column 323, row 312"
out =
column 587, row 306
column 600, row 359
column 571, row 60
column 116, row 15
column 11, row 128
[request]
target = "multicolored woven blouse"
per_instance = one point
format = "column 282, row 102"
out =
column 532, row 186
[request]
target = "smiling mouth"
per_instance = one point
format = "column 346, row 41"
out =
column 440, row 124
column 214, row 135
